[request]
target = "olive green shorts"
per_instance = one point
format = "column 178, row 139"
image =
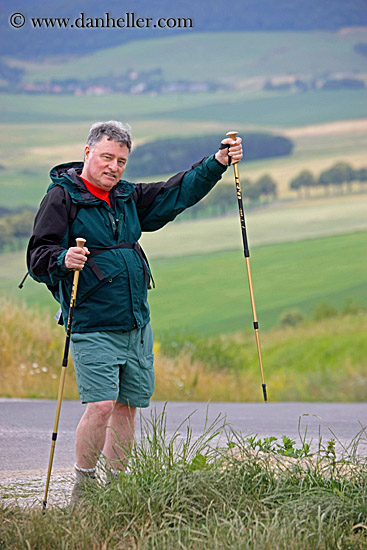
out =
column 114, row 365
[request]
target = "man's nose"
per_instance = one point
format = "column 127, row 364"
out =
column 113, row 164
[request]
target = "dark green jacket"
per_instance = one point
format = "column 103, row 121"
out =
column 112, row 291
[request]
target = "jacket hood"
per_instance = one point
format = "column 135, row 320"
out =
column 68, row 169
column 68, row 174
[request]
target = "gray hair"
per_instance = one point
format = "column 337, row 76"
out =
column 114, row 130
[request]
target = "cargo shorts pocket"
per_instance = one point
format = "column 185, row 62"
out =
column 96, row 375
column 146, row 376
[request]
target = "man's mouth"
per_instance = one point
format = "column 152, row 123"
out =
column 109, row 175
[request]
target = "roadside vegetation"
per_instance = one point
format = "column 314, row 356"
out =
column 220, row 490
column 318, row 359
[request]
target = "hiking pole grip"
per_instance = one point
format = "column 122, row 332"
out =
column 246, row 250
column 233, row 135
column 80, row 243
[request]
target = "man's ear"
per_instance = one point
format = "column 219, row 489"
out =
column 86, row 152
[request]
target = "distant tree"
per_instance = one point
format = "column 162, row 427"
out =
column 343, row 173
column 325, row 180
column 361, row 176
column 291, row 318
column 251, row 192
column 339, row 173
column 295, row 185
column 194, row 211
column 224, row 197
column 304, row 180
column 266, row 186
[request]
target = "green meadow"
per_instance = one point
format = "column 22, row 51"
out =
column 265, row 109
column 208, row 294
column 282, row 110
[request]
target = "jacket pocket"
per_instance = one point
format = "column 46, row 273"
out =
column 89, row 283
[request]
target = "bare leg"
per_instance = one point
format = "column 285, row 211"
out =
column 90, row 434
column 120, row 433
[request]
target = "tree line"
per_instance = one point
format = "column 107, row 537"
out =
column 341, row 173
column 167, row 156
column 223, row 198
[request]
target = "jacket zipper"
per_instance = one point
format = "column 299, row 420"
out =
column 114, row 223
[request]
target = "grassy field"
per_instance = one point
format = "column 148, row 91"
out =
column 294, row 221
column 208, row 294
column 262, row 54
column 280, row 110
column 265, row 109
column 318, row 360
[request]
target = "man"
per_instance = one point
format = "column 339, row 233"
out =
column 112, row 339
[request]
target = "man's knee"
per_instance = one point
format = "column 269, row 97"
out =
column 100, row 411
column 123, row 410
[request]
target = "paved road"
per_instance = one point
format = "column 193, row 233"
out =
column 26, row 425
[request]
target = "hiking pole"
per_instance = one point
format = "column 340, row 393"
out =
column 80, row 243
column 246, row 251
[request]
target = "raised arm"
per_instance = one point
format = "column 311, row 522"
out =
column 158, row 203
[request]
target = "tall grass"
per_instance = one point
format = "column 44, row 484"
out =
column 189, row 493
column 322, row 360
column 30, row 353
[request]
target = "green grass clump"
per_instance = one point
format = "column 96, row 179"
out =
column 182, row 492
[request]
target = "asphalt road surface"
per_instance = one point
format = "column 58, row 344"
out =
column 26, row 426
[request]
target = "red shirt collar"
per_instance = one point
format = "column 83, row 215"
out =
column 97, row 191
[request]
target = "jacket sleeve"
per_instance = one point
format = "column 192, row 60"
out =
column 159, row 203
column 48, row 244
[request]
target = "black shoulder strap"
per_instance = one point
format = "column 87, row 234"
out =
column 72, row 213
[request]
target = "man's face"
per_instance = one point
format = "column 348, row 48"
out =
column 105, row 163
